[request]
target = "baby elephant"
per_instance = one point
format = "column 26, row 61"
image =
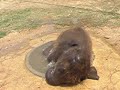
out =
column 72, row 55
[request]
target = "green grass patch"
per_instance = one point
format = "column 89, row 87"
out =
column 31, row 18
column 2, row 34
column 14, row 20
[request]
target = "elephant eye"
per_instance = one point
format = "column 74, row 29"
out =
column 73, row 45
column 61, row 70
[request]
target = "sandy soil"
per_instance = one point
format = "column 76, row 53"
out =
column 111, row 36
column 15, row 76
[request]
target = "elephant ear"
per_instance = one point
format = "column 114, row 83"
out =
column 79, row 56
column 93, row 74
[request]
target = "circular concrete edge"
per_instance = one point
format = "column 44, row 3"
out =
column 33, row 65
column 29, row 67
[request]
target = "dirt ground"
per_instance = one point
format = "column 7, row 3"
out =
column 15, row 76
column 13, row 48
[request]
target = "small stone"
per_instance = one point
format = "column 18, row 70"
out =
column 106, row 37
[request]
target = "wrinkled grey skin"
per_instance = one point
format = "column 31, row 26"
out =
column 71, row 54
